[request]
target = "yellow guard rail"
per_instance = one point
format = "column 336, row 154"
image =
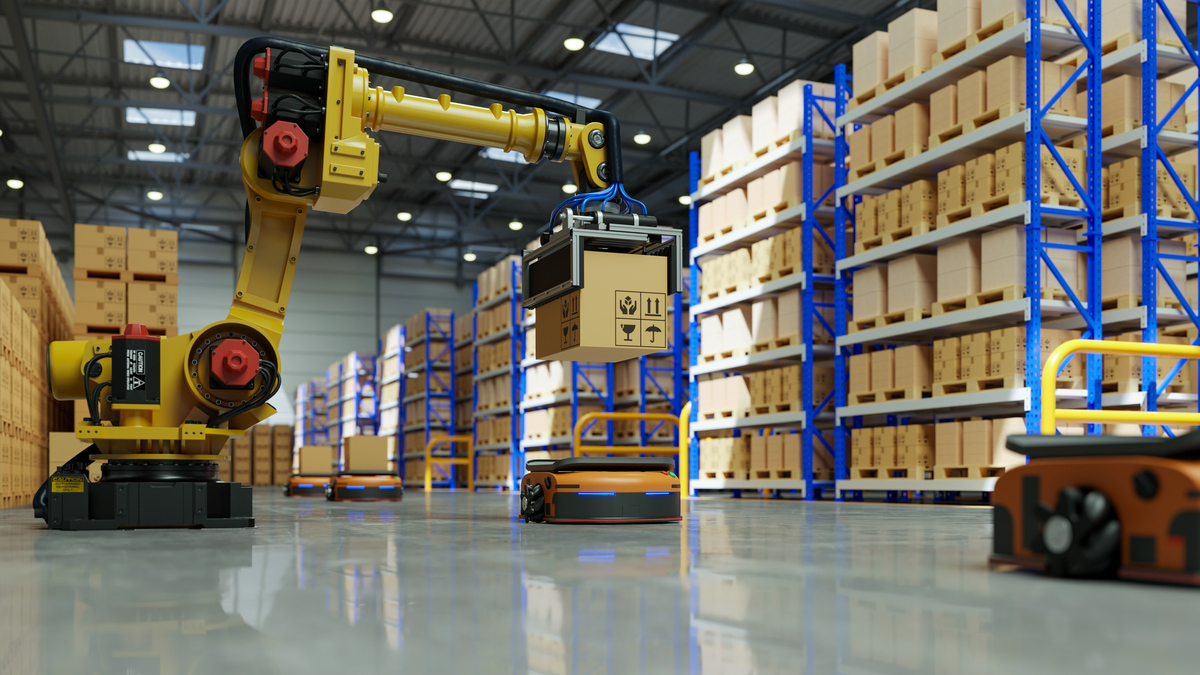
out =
column 468, row 461
column 1051, row 414
column 680, row 422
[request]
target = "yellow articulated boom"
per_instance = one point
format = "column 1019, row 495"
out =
column 162, row 409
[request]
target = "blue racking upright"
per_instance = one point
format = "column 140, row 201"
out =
column 506, row 410
column 390, row 379
column 434, row 342
column 311, row 414
column 1153, row 58
column 1037, row 126
column 810, row 215
column 353, row 407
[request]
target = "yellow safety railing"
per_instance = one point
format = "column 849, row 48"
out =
column 468, row 461
column 680, row 422
column 1051, row 414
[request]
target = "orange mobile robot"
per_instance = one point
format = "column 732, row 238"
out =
column 600, row 490
column 1094, row 506
column 306, row 485
column 364, row 486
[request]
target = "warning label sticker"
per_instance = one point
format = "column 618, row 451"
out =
column 66, row 484
column 641, row 319
column 569, row 322
column 135, row 365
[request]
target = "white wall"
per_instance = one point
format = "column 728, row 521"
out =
column 332, row 310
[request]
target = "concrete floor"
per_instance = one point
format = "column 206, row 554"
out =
column 450, row 583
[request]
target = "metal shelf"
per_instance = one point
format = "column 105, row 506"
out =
column 462, row 399
column 762, row 360
column 1003, row 401
column 491, row 412
column 465, row 371
column 463, row 343
column 971, row 227
column 418, row 426
column 494, row 337
column 555, row 399
column 546, row 442
column 388, row 406
column 495, row 372
column 1167, row 227
column 773, row 224
column 962, row 322
column 492, row 483
column 1129, row 144
column 633, row 399
column 1056, row 41
column 425, row 394
column 390, row 380
column 743, row 484
column 780, row 421
column 1004, row 131
column 1128, row 61
column 1137, row 399
column 488, row 304
column 493, row 447
column 769, row 289
column 761, row 166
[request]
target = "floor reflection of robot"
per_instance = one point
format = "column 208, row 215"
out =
column 144, row 612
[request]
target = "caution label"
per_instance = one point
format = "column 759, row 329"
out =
column 569, row 323
column 135, row 367
column 641, row 319
column 66, row 484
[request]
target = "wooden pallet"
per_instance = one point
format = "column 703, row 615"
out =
column 98, row 329
column 993, row 115
column 855, row 326
column 992, row 297
column 899, row 156
column 1007, row 21
column 890, row 83
column 775, row 208
column 1131, row 210
column 980, row 208
column 903, row 316
column 777, row 343
column 945, row 135
column 968, row 471
column 171, row 279
column 868, row 244
column 104, row 275
column 907, row 232
column 864, row 170
column 709, row 358
column 905, row 394
column 732, row 413
column 1134, row 300
column 784, row 408
column 725, row 475
column 732, row 353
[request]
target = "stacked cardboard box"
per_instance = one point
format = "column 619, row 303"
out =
column 957, row 19
column 979, row 179
column 494, row 319
column 951, row 186
column 316, row 460
column 958, row 268
column 555, row 422
column 1002, row 260
column 770, row 323
column 998, row 353
column 918, row 207
column 101, row 296
column 776, row 191
column 972, row 96
column 912, row 41
column 281, row 454
column 943, row 112
column 493, row 430
column 494, row 355
column 908, row 367
column 241, row 459
column 1125, row 16
column 351, row 380
column 1124, row 185
column 262, row 444
column 725, row 457
column 764, row 392
column 1121, row 260
column 152, row 260
column 1122, row 102
column 390, row 385
column 912, row 282
column 977, row 442
column 904, row 446
column 496, row 280
column 870, row 292
column 496, row 467
column 870, row 62
column 494, row 392
column 995, row 10
column 776, row 455
column 773, row 258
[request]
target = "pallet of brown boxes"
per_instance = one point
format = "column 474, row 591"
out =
column 263, row 456
column 35, row 309
column 974, row 448
column 125, row 276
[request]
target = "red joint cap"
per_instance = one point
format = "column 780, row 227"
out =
column 285, row 144
column 262, row 67
column 136, row 330
column 258, row 109
column 235, row 362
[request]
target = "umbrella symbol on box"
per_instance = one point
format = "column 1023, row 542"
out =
column 628, row 306
column 652, row 330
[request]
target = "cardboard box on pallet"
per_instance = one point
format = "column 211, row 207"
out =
column 973, row 96
column 790, row 117
column 737, row 140
column 883, row 446
column 948, row 444
column 918, row 204
column 99, row 259
column 957, row 19
column 977, row 442
column 943, row 110
column 735, row 209
column 154, row 317
column 1006, row 84
column 149, row 293
column 995, row 10
column 764, row 321
column 860, row 148
column 912, row 282
column 735, row 330
column 712, row 158
column 916, row 445
column 870, row 292
column 870, row 62
column 860, row 447
column 860, row 373
column 912, row 126
column 101, row 314
column 1125, row 16
column 979, row 179
column 100, row 291
column 883, row 137
column 162, row 241
column 1121, row 262
column 883, row 370
column 951, row 186
column 958, row 268
column 888, row 206
column 912, row 41
column 152, row 262
column 913, row 366
column 867, row 219
column 1122, row 100
column 764, row 123
column 99, row 236
column 791, row 183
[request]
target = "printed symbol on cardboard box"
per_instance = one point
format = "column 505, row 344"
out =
column 654, row 306
column 629, row 333
column 627, row 304
column 654, row 334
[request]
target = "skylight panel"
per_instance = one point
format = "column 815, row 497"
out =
column 472, row 186
column 636, row 41
column 161, row 117
column 471, row 195
column 164, row 54
column 147, row 156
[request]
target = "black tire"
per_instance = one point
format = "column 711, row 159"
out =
column 1081, row 538
column 534, row 504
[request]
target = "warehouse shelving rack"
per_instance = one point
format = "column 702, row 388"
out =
column 437, row 368
column 1151, row 60
column 310, row 401
column 657, row 383
column 1037, row 127
column 807, row 148
column 382, row 382
column 516, row 341
column 347, row 412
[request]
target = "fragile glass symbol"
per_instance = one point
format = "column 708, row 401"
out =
column 628, row 306
column 628, row 329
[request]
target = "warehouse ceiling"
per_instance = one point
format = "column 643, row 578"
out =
column 79, row 112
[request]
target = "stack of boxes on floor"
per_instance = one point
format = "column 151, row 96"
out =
column 263, row 456
column 126, row 276
column 311, row 414
column 35, row 309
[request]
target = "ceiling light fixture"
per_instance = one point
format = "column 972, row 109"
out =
column 382, row 14
column 157, row 148
column 160, row 82
column 443, row 176
column 515, row 225
column 685, row 200
column 744, row 67
column 404, row 216
column 573, row 44
column 641, row 137
column 16, row 183
column 469, row 257
column 154, row 195
column 570, row 188
column 371, row 250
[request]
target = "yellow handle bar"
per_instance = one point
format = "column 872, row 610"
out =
column 468, row 461
column 680, row 422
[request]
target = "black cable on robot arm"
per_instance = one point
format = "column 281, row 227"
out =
column 612, row 128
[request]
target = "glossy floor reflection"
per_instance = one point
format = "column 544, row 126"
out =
column 452, row 584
